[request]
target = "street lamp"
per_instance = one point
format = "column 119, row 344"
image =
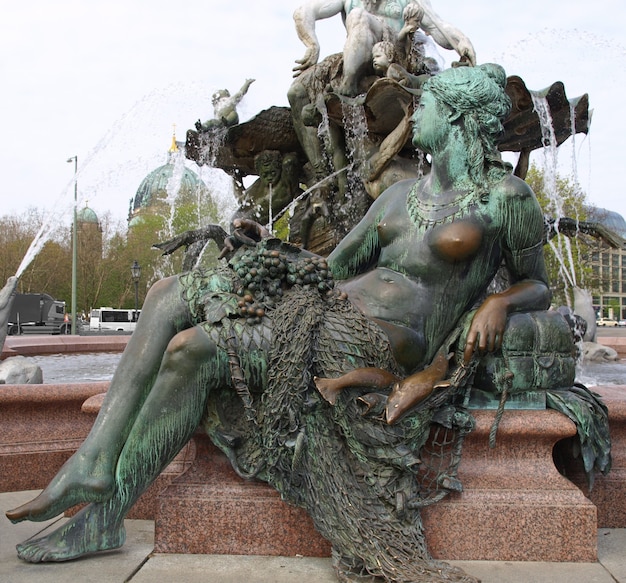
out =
column 74, row 242
column 135, row 270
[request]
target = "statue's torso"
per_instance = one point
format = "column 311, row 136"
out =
column 427, row 275
column 390, row 11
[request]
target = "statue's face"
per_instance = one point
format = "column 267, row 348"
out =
column 430, row 124
column 219, row 95
column 380, row 60
column 270, row 171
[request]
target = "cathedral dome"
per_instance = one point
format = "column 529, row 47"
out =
column 170, row 181
column 87, row 215
column 157, row 185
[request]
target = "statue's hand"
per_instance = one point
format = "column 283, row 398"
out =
column 245, row 232
column 487, row 328
column 412, row 17
column 310, row 58
column 249, row 229
column 466, row 52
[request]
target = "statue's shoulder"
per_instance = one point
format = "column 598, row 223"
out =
column 395, row 195
column 512, row 188
column 400, row 188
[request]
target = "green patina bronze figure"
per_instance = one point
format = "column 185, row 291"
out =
column 246, row 350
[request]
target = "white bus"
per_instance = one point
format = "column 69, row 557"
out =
column 111, row 319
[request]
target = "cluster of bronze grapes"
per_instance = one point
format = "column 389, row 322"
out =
column 266, row 273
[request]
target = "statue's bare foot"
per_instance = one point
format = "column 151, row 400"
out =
column 85, row 533
column 72, row 485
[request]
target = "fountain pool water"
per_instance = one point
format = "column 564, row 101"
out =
column 77, row 367
column 100, row 366
column 601, row 374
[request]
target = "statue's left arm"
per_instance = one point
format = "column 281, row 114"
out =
column 237, row 97
column 522, row 241
column 305, row 17
column 445, row 34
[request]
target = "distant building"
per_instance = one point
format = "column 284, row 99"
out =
column 608, row 267
column 89, row 234
column 171, row 182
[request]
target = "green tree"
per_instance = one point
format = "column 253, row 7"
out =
column 106, row 252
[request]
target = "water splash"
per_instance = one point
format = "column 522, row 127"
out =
column 213, row 142
column 324, row 132
column 292, row 205
column 583, row 61
column 35, row 247
column 270, row 212
column 561, row 246
column 355, row 128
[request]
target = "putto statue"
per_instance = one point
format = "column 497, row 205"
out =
column 225, row 108
column 325, row 377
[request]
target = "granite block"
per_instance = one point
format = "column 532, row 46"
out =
column 515, row 504
column 209, row 509
column 40, row 427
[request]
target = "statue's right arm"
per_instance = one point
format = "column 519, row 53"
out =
column 305, row 18
column 358, row 251
column 445, row 34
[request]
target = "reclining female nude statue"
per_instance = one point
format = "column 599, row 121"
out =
column 238, row 349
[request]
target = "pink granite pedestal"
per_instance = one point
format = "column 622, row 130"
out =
column 515, row 505
column 211, row 510
column 40, row 427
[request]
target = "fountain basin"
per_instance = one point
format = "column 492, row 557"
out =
column 39, row 344
column 515, row 504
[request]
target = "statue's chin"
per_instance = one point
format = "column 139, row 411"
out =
column 420, row 144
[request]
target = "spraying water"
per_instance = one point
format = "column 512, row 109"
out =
column 355, row 128
column 270, row 223
column 561, row 246
column 292, row 205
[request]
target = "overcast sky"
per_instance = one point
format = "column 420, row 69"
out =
column 107, row 81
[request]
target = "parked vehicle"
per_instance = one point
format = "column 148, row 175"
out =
column 37, row 314
column 621, row 323
column 606, row 322
column 113, row 319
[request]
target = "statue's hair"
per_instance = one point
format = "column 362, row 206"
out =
column 267, row 157
column 477, row 96
column 388, row 49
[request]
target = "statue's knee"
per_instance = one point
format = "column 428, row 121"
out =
column 187, row 348
column 297, row 95
column 161, row 288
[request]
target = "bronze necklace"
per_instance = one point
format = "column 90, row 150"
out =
column 427, row 214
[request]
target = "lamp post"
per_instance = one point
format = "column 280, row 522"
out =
column 74, row 242
column 135, row 270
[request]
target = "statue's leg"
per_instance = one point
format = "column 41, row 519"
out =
column 88, row 476
column 307, row 134
column 364, row 31
column 169, row 416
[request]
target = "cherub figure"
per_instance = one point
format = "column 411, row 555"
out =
column 225, row 108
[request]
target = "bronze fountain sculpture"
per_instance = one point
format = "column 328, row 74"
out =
column 328, row 376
